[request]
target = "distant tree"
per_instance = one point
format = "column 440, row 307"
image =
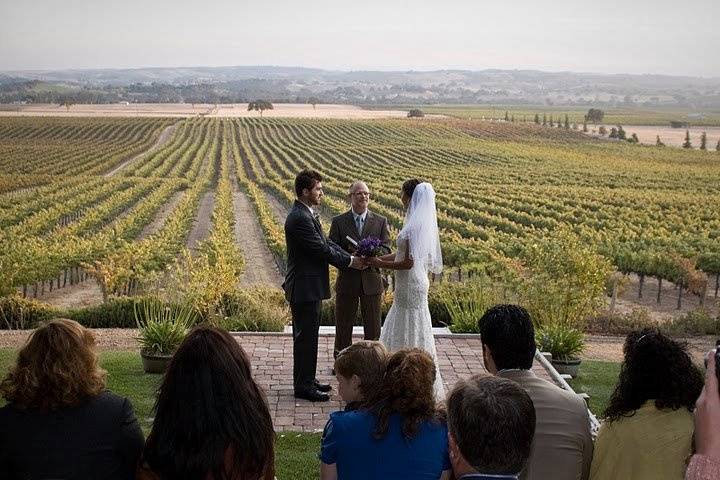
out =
column 313, row 101
column 633, row 138
column 602, row 130
column 686, row 143
column 717, row 147
column 260, row 106
column 544, row 120
column 567, row 123
column 415, row 113
column 594, row 115
column 658, row 142
column 67, row 104
column 537, row 119
column 613, row 133
column 585, row 127
column 621, row 133
column 512, row 119
column 507, row 118
column 703, row 141
column 559, row 124
column 552, row 124
column 574, row 126
column 677, row 124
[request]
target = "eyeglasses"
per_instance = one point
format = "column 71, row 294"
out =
column 362, row 194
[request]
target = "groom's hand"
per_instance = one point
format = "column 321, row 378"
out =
column 358, row 263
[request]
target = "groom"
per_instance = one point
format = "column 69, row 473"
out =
column 307, row 281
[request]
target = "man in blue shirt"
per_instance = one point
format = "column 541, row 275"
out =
column 491, row 423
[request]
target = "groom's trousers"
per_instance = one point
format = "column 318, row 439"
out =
column 306, row 324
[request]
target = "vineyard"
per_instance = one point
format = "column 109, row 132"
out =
column 119, row 201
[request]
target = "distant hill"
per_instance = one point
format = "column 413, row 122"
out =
column 297, row 84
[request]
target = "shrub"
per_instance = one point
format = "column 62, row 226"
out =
column 256, row 309
column 415, row 113
column 563, row 342
column 695, row 322
column 466, row 302
column 22, row 313
column 620, row 323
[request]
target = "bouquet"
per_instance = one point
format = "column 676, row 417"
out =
column 371, row 247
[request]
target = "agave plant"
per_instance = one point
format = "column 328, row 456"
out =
column 162, row 327
column 563, row 342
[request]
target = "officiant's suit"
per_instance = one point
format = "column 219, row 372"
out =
column 354, row 286
column 307, row 283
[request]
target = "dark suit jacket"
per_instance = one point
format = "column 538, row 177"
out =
column 351, row 281
column 309, row 254
column 97, row 440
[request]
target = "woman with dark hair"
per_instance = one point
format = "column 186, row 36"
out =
column 60, row 422
column 212, row 421
column 398, row 433
column 648, row 425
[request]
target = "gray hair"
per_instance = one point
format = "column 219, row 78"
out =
column 355, row 184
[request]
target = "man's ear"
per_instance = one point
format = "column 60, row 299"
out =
column 487, row 358
column 355, row 381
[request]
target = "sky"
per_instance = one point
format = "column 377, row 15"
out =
column 609, row 36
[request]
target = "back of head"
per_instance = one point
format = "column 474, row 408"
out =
column 407, row 390
column 492, row 421
column 508, row 332
column 57, row 367
column 209, row 407
column 409, row 185
column 657, row 368
column 368, row 361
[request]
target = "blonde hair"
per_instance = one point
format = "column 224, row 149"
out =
column 367, row 360
column 58, row 367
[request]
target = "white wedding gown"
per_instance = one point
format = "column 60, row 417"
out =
column 408, row 322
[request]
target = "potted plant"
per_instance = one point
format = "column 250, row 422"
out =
column 565, row 344
column 162, row 330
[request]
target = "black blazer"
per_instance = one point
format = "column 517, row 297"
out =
column 309, row 253
column 98, row 440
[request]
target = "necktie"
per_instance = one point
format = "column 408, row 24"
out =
column 359, row 224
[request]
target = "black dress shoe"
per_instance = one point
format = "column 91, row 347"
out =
column 313, row 395
column 323, row 387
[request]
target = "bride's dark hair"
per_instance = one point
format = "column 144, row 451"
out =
column 408, row 186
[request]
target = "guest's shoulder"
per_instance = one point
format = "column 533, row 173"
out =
column 350, row 417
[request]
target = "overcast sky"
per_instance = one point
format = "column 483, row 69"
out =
column 607, row 36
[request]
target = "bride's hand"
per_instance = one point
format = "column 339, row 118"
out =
column 374, row 262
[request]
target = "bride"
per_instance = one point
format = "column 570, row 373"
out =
column 408, row 322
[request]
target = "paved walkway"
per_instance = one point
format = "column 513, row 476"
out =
column 271, row 357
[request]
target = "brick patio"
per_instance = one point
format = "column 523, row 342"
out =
column 271, row 356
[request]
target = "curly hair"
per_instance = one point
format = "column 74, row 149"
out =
column 406, row 389
column 57, row 367
column 657, row 368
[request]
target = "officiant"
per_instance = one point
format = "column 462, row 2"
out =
column 355, row 288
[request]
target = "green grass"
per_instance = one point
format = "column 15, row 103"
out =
column 597, row 379
column 295, row 455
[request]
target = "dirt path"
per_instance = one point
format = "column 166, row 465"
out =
column 83, row 294
column 162, row 139
column 105, row 338
column 161, row 216
column 667, row 308
column 202, row 223
column 610, row 348
column 260, row 267
column 279, row 210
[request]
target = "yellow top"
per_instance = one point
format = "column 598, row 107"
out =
column 652, row 444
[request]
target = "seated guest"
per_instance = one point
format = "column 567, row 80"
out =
column 491, row 422
column 60, row 422
column 359, row 369
column 705, row 464
column 563, row 447
column 648, row 426
column 212, row 421
column 399, row 433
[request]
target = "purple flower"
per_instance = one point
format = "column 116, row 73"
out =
column 369, row 247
